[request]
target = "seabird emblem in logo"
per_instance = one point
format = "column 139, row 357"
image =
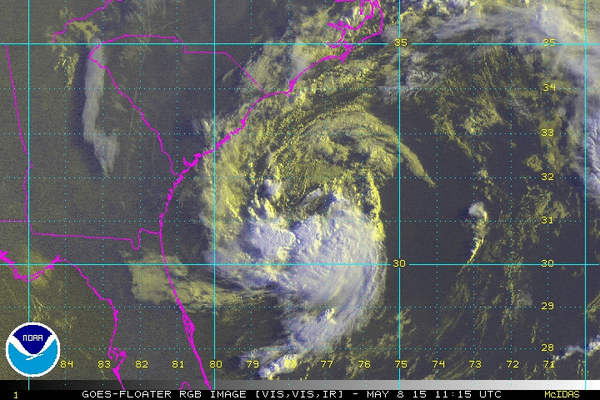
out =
column 32, row 349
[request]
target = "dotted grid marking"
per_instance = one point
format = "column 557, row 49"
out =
column 141, row 177
column 428, row 307
column 511, row 221
column 179, row 347
column 398, row 180
column 102, row 120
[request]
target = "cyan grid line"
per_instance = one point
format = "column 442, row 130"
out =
column 214, row 159
column 585, row 203
column 501, row 44
column 303, row 44
column 208, row 264
column 548, row 281
column 249, row 305
column 191, row 44
column 585, row 219
column 309, row 264
column 585, row 44
column 28, row 167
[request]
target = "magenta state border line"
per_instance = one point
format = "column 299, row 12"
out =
column 115, row 354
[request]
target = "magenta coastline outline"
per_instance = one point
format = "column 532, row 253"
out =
column 115, row 354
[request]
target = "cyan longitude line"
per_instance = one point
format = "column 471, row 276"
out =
column 28, row 167
column 585, row 76
column 28, row 158
column 214, row 259
column 399, row 192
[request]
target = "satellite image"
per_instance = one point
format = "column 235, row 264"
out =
column 196, row 192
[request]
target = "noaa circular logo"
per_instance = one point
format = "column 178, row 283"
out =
column 32, row 349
